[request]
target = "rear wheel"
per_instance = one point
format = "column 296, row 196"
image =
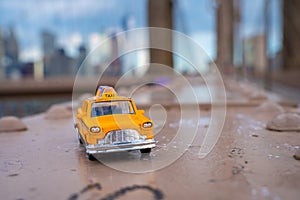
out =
column 148, row 150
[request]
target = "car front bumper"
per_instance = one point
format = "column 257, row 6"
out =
column 110, row 148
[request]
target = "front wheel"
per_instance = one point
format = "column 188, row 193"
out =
column 91, row 157
column 78, row 135
column 79, row 139
column 148, row 150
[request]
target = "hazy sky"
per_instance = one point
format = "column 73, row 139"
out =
column 74, row 21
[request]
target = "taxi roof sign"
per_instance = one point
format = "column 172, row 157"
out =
column 106, row 92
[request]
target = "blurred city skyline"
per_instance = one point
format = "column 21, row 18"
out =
column 81, row 22
column 45, row 39
column 87, row 23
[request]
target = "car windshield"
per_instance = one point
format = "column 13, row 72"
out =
column 111, row 107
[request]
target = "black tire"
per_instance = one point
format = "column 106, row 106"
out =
column 79, row 139
column 148, row 150
column 91, row 157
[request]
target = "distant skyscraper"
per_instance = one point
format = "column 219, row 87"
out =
column 1, row 45
column 11, row 46
column 82, row 54
column 81, row 57
column 2, row 55
column 115, row 66
column 48, row 42
column 59, row 64
column 128, row 61
column 128, row 22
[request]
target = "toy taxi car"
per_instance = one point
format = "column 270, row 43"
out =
column 111, row 123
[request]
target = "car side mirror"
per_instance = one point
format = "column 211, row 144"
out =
column 79, row 113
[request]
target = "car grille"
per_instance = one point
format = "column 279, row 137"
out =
column 122, row 136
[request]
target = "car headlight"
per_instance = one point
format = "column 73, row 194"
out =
column 147, row 125
column 95, row 129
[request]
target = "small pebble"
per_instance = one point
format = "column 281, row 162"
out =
column 297, row 155
column 285, row 122
column 11, row 123
column 58, row 112
column 270, row 107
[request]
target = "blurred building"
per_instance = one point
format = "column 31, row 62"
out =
column 255, row 54
column 59, row 64
column 128, row 22
column 225, row 30
column 48, row 42
column 291, row 30
column 48, row 46
column 81, row 57
column 160, row 14
column 27, row 70
column 11, row 48
column 56, row 62
column 115, row 68
column 2, row 56
column 128, row 43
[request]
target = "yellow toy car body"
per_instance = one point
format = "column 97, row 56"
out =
column 111, row 123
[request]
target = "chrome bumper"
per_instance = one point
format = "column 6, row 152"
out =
column 98, row 148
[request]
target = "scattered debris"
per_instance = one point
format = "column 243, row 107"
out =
column 11, row 123
column 58, row 112
column 12, row 175
column 237, row 169
column 212, row 180
column 235, row 152
column 246, row 125
column 297, row 155
column 285, row 122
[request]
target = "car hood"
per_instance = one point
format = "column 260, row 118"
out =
column 120, row 121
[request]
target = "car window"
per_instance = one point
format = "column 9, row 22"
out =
column 111, row 107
